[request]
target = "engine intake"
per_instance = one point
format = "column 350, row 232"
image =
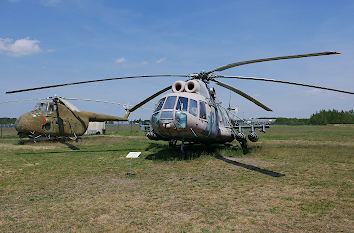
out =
column 178, row 86
column 192, row 86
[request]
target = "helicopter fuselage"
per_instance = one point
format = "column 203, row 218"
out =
column 51, row 119
column 191, row 114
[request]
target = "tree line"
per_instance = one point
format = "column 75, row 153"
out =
column 322, row 117
column 7, row 120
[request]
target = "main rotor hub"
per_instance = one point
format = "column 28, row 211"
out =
column 203, row 76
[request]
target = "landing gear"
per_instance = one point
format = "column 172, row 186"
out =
column 172, row 143
column 244, row 146
column 182, row 147
column 78, row 139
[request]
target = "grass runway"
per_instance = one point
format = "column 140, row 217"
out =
column 295, row 179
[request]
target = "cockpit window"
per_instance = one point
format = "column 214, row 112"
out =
column 159, row 105
column 42, row 107
column 193, row 107
column 182, row 104
column 51, row 108
column 170, row 102
column 202, row 110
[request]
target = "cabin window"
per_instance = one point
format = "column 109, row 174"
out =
column 193, row 107
column 202, row 110
column 166, row 115
column 160, row 103
column 182, row 104
column 170, row 102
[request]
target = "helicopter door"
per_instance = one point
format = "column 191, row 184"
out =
column 49, row 123
column 202, row 111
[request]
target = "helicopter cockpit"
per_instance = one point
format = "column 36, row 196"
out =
column 177, row 108
column 46, row 107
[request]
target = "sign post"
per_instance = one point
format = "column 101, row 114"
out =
column 131, row 156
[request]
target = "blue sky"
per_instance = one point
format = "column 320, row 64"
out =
column 45, row 42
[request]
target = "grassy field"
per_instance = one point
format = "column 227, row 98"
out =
column 295, row 179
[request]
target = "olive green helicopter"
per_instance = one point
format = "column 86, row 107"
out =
column 56, row 118
column 192, row 112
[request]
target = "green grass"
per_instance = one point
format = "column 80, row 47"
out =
column 70, row 187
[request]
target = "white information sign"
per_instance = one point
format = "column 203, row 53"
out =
column 133, row 155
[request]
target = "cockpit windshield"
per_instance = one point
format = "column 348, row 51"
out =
column 182, row 104
column 42, row 107
column 52, row 108
column 170, row 102
column 160, row 103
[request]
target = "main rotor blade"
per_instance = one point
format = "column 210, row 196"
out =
column 149, row 98
column 221, row 68
column 92, row 81
column 285, row 82
column 16, row 101
column 92, row 100
column 243, row 94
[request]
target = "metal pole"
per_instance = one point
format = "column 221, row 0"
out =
column 131, row 166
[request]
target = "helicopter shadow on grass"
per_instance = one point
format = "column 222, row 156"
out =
column 73, row 151
column 62, row 141
column 193, row 151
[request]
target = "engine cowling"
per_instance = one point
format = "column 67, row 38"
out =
column 192, row 86
column 178, row 86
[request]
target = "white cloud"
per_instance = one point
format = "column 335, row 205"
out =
column 120, row 60
column 51, row 2
column 160, row 60
column 20, row 47
column 314, row 91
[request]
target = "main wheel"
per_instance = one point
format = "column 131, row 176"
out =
column 172, row 143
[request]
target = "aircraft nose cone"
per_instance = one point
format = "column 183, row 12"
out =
column 28, row 122
column 19, row 126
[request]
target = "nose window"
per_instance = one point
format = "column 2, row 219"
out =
column 181, row 120
column 166, row 115
column 155, row 117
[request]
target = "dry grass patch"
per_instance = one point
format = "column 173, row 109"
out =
column 59, row 189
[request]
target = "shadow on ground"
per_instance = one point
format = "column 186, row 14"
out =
column 193, row 151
